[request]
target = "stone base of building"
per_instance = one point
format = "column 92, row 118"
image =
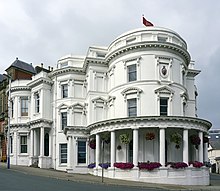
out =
column 45, row 162
column 163, row 175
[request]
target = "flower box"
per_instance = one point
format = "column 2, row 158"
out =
column 177, row 165
column 148, row 165
column 123, row 165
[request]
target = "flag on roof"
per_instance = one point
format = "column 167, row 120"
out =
column 146, row 22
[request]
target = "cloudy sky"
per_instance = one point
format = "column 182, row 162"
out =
column 43, row 31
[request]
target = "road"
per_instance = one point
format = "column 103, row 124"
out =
column 16, row 181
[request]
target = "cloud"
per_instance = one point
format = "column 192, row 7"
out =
column 44, row 31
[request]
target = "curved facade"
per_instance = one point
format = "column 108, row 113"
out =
column 141, row 84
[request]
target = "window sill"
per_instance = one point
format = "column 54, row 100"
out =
column 81, row 165
column 63, row 165
column 23, row 154
column 36, row 114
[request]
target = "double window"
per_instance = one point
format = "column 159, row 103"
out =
column 64, row 89
column 23, row 144
column 163, row 106
column 132, row 73
column 24, row 106
column 63, row 120
column 63, row 153
column 81, row 151
column 132, row 107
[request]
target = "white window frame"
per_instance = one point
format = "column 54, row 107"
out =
column 61, row 119
column 63, row 90
column 24, row 106
column 64, row 153
column 37, row 102
column 23, row 144
column 131, row 107
column 85, row 141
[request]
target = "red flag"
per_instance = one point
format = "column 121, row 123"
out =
column 147, row 23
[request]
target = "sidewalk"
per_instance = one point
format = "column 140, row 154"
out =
column 107, row 181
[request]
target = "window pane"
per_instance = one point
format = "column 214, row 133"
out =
column 63, row 153
column 132, row 107
column 64, row 91
column 163, row 106
column 63, row 120
column 132, row 73
column 81, row 151
column 24, row 106
column 23, row 144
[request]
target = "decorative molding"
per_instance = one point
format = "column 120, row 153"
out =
column 150, row 122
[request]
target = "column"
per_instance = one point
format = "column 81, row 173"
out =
column 162, row 146
column 41, row 141
column 135, row 147
column 69, row 152
column 201, row 147
column 32, row 143
column 35, row 142
column 50, row 143
column 185, row 146
column 97, row 151
column 112, row 148
column 205, row 149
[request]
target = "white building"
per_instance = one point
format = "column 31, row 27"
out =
column 141, row 84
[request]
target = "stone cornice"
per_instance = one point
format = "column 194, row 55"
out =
column 40, row 81
column 151, row 122
column 76, row 128
column 40, row 123
column 20, row 88
column 66, row 70
column 89, row 60
column 19, row 125
column 192, row 72
column 139, row 46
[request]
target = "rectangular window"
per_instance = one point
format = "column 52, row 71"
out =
column 11, row 144
column 63, row 153
column 23, row 144
column 63, row 120
column 132, row 72
column 81, row 151
column 64, row 88
column 37, row 103
column 24, row 106
column 132, row 107
column 163, row 106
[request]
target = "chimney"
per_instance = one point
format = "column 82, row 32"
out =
column 49, row 68
column 42, row 65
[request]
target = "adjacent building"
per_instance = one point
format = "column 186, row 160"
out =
column 214, row 150
column 129, row 98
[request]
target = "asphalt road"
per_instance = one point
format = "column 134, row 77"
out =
column 15, row 181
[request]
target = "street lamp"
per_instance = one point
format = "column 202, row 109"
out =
column 9, row 116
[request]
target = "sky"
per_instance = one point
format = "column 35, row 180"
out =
column 44, row 31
